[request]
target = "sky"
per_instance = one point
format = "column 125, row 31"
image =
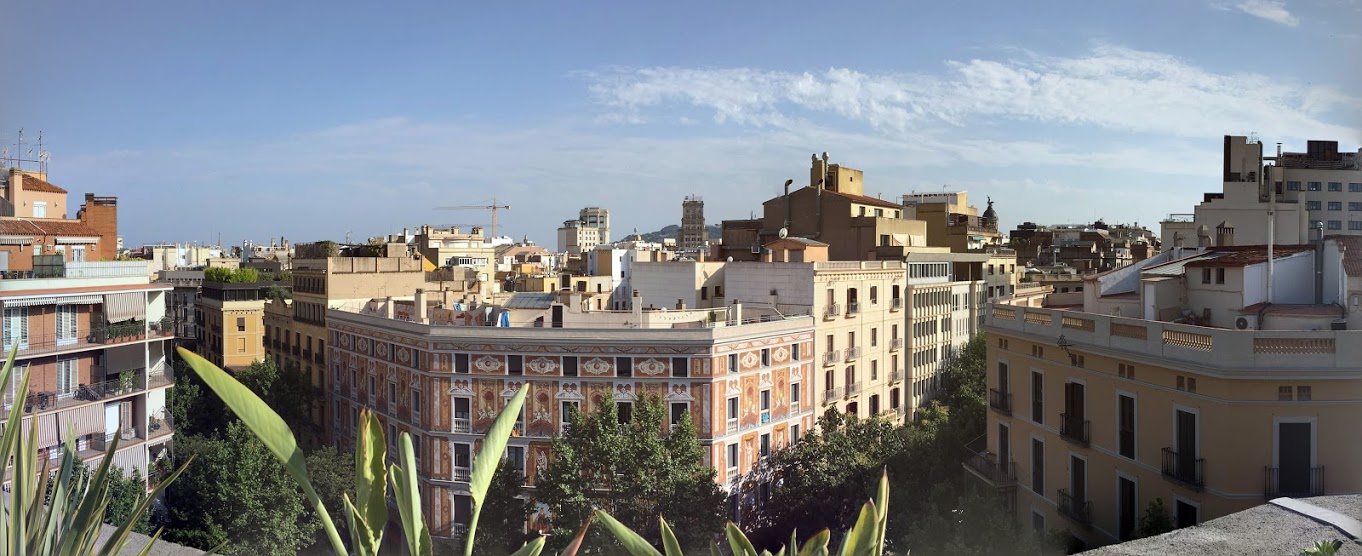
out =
column 322, row 120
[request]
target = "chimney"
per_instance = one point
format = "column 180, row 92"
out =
column 636, row 303
column 421, row 313
column 680, row 305
column 735, row 313
column 388, row 308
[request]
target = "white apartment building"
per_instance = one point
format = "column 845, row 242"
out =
column 943, row 314
column 589, row 229
column 1321, row 187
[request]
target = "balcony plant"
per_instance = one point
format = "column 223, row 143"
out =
column 125, row 381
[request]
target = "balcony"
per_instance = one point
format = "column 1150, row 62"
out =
column 1293, row 487
column 462, row 474
column 274, row 343
column 1000, row 401
column 896, row 376
column 307, row 354
column 831, row 358
column 160, row 375
column 832, row 311
column 459, row 531
column 853, row 389
column 45, row 401
column 462, row 425
column 1074, row 429
column 984, row 464
column 1184, row 468
column 318, row 358
column 853, row 353
column 53, row 266
column 896, row 344
column 731, row 426
column 160, row 425
column 1078, row 510
column 853, row 308
column 896, row 304
column 297, row 351
column 832, row 395
column 98, row 336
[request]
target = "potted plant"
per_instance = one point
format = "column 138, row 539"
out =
column 125, row 379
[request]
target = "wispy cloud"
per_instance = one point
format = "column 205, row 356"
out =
column 1109, row 88
column 1271, row 10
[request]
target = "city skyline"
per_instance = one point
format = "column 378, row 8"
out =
column 297, row 123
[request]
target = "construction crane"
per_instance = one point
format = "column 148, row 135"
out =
column 492, row 207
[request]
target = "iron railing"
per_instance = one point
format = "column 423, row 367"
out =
column 853, row 353
column 832, row 311
column 1183, row 469
column 896, row 304
column 1312, row 485
column 1074, row 429
column 853, row 307
column 832, row 357
column 1077, row 510
column 832, row 394
column 1000, row 401
column 895, row 344
column 986, row 465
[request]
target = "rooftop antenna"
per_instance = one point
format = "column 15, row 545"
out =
column 19, row 150
column 43, row 155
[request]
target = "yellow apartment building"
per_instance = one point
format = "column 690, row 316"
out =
column 1213, row 379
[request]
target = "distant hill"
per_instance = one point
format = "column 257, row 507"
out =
column 672, row 231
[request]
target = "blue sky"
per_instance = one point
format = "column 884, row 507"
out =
column 313, row 119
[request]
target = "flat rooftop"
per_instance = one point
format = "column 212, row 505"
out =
column 1266, row 529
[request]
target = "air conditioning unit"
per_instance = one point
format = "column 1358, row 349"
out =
column 1339, row 325
column 1246, row 322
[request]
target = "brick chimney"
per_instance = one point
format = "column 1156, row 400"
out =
column 101, row 213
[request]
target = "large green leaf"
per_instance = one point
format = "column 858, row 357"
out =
column 816, row 546
column 860, row 541
column 669, row 542
column 269, row 428
column 409, row 499
column 532, row 548
column 577, row 540
column 738, row 542
column 882, row 511
column 632, row 542
column 371, row 486
column 485, row 465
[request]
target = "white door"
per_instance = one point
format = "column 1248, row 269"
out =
column 66, row 325
column 16, row 327
column 112, row 414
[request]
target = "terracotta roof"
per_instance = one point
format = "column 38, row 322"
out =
column 1352, row 253
column 32, row 183
column 1247, row 255
column 862, row 199
column 26, row 227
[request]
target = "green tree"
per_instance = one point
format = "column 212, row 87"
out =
column 501, row 528
column 289, row 392
column 332, row 475
column 1155, row 520
column 235, row 490
column 125, row 494
column 633, row 471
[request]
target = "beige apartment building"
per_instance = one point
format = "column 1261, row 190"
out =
column 443, row 372
column 231, row 322
column 951, row 221
column 295, row 329
column 455, row 248
column 1211, row 379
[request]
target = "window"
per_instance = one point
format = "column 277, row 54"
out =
column 415, row 403
column 1335, row 205
column 515, row 455
column 794, row 397
column 66, row 378
column 1220, row 275
column 16, row 327
column 732, row 362
column 680, row 367
column 1191, row 385
column 392, row 395
column 1302, row 393
column 732, row 457
column 1355, row 188
column 1037, row 521
column 679, row 410
column 624, row 366
column 625, row 411
column 1186, row 513
column 874, row 370
column 1125, row 411
column 1284, row 394
column 1335, row 186
column 732, row 414
column 794, row 434
column 569, row 366
column 1037, row 397
column 372, row 389
column 1313, row 186
column 392, row 438
column 704, row 292
column 1335, row 224
column 461, row 363
column 66, row 324
column 765, row 445
column 1312, row 205
column 1037, row 466
column 241, row 324
column 765, row 406
column 241, row 345
column 1127, row 371
column 874, row 295
column 1293, row 186
column 515, row 365
column 1355, row 225
column 416, row 448
column 766, row 357
column 794, row 352
column 565, row 413
column 1205, row 276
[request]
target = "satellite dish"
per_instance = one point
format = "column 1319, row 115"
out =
column 783, row 232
